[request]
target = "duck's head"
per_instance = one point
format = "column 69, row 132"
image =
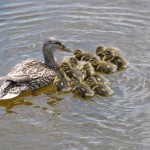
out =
column 73, row 61
column 91, row 81
column 108, row 55
column 100, row 51
column 74, row 80
column 86, row 66
column 65, row 66
column 78, row 52
column 52, row 44
column 94, row 61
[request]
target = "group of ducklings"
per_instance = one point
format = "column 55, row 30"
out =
column 83, row 72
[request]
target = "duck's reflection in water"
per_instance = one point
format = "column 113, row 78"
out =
column 25, row 99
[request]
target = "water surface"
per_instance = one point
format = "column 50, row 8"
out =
column 50, row 122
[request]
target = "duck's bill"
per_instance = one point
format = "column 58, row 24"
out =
column 66, row 49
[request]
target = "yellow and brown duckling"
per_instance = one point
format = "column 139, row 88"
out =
column 101, row 50
column 99, row 78
column 114, row 50
column 85, row 66
column 69, row 71
column 62, row 83
column 73, row 61
column 81, row 55
column 115, row 59
column 80, row 89
column 100, row 89
column 88, row 71
column 103, row 66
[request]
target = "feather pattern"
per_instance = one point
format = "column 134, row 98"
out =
column 40, row 75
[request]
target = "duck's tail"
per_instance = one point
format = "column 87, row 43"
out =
column 9, row 90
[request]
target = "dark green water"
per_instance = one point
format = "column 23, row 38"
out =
column 45, row 122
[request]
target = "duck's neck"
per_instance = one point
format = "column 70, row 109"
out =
column 50, row 60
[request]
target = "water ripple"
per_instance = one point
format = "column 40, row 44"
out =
column 118, row 122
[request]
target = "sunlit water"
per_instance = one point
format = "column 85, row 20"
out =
column 63, row 122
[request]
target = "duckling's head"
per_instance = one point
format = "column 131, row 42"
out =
column 78, row 52
column 74, row 80
column 99, row 51
column 65, row 66
column 94, row 61
column 91, row 81
column 86, row 66
column 73, row 61
column 108, row 55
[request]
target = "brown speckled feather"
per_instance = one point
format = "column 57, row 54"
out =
column 39, row 75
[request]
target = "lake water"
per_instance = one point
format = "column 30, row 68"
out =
column 63, row 122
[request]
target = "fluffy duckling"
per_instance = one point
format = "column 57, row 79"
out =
column 100, row 51
column 62, row 83
column 103, row 66
column 114, row 50
column 79, row 88
column 119, row 61
column 69, row 71
column 99, row 78
column 73, row 61
column 115, row 59
column 81, row 55
column 100, row 89
column 85, row 66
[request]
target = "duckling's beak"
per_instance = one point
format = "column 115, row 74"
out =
column 66, row 49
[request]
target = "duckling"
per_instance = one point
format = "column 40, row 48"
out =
column 100, row 89
column 69, row 71
column 74, row 62
column 115, row 59
column 62, row 83
column 80, row 89
column 114, row 50
column 81, row 55
column 78, row 53
column 119, row 61
column 99, row 78
column 85, row 66
column 100, row 51
column 103, row 66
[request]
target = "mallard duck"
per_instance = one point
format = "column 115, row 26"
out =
column 69, row 71
column 32, row 74
column 61, row 82
column 80, row 89
column 81, row 55
column 100, row 89
column 103, row 66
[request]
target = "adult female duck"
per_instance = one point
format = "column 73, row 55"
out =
column 32, row 74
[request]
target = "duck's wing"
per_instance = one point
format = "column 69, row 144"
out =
column 17, row 78
column 28, row 75
column 29, row 70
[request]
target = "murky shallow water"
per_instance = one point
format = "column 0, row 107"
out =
column 46, row 122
